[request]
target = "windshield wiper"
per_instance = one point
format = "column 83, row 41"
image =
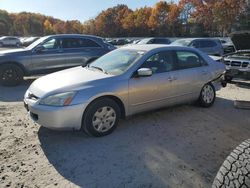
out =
column 98, row 68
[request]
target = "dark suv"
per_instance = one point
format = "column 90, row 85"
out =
column 49, row 54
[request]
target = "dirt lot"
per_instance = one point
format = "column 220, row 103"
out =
column 177, row 147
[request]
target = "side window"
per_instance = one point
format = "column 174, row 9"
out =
column 195, row 44
column 160, row 62
column 71, row 43
column 186, row 59
column 88, row 43
column 51, row 44
column 207, row 44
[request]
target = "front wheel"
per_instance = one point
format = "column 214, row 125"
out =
column 101, row 117
column 10, row 75
column 207, row 95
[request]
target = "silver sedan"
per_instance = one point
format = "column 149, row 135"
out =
column 121, row 83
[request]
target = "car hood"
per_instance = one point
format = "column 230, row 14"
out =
column 67, row 80
column 13, row 52
column 241, row 40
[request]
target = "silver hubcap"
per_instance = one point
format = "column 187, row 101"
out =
column 207, row 94
column 104, row 119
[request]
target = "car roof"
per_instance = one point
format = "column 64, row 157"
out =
column 74, row 35
column 149, row 47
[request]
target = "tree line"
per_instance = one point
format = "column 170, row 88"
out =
column 187, row 18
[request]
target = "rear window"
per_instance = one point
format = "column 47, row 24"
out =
column 186, row 59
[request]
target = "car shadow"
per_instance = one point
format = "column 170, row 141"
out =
column 15, row 94
column 175, row 147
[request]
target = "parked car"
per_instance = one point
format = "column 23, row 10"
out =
column 124, row 82
column 9, row 41
column 228, row 46
column 238, row 63
column 207, row 45
column 155, row 40
column 49, row 54
column 28, row 41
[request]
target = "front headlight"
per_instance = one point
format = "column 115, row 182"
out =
column 61, row 99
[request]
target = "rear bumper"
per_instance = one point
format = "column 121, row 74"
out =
column 60, row 118
column 219, row 82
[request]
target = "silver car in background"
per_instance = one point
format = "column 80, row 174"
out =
column 207, row 45
column 9, row 41
column 124, row 82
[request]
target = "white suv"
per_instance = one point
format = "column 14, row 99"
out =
column 9, row 41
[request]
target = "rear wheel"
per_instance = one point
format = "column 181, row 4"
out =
column 207, row 95
column 10, row 75
column 101, row 117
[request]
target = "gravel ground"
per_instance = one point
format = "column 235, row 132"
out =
column 181, row 146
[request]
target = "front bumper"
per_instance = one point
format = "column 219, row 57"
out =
column 60, row 118
column 236, row 71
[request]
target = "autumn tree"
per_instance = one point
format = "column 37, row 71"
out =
column 5, row 23
column 48, row 28
column 226, row 12
column 158, row 20
column 137, row 22
column 109, row 22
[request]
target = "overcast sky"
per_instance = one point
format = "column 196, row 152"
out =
column 81, row 10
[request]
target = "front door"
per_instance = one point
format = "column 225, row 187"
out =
column 155, row 91
column 50, row 58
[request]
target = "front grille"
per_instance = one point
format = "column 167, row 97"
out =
column 238, row 64
column 235, row 63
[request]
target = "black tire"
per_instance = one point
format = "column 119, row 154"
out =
column 1, row 44
column 205, row 101
column 10, row 75
column 235, row 170
column 228, row 78
column 95, row 107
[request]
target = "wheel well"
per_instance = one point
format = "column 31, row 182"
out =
column 117, row 100
column 16, row 64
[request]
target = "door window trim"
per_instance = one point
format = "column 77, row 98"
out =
column 197, row 54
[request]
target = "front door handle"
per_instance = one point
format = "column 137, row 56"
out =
column 172, row 78
column 204, row 72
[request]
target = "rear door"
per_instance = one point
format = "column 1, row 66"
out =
column 192, row 73
column 81, row 50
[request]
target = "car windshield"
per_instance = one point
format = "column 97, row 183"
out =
column 34, row 44
column 143, row 41
column 116, row 62
column 182, row 42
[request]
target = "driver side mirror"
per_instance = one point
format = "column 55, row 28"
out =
column 39, row 48
column 144, row 72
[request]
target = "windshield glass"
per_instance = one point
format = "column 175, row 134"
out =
column 182, row 42
column 34, row 44
column 116, row 62
column 143, row 41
